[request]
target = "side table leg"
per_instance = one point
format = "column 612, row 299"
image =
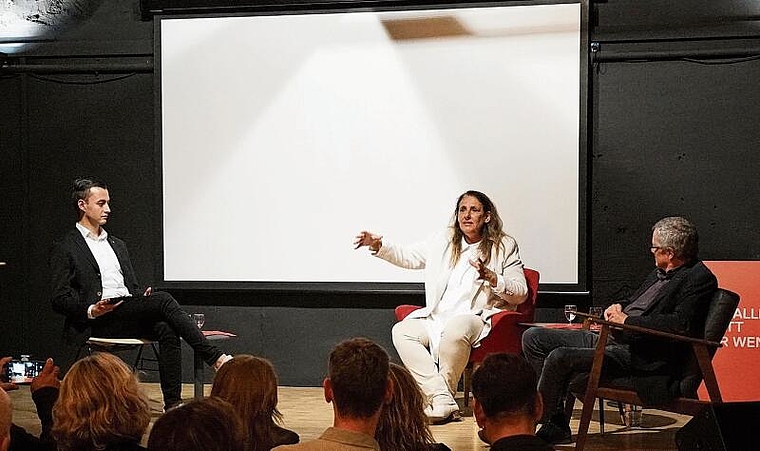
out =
column 197, row 376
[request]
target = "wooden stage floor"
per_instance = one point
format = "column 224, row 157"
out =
column 306, row 412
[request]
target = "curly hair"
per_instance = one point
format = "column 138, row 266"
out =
column 250, row 384
column 100, row 404
column 492, row 230
column 403, row 425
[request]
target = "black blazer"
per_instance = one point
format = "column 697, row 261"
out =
column 680, row 308
column 77, row 284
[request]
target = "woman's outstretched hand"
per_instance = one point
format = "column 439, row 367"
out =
column 369, row 239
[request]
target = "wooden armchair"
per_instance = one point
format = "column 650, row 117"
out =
column 721, row 311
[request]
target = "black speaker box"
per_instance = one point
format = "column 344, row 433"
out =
column 729, row 426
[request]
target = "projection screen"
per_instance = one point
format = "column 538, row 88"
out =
column 283, row 135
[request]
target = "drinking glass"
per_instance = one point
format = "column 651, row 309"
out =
column 199, row 319
column 570, row 310
column 632, row 415
column 596, row 312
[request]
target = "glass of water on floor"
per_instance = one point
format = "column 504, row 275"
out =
column 632, row 415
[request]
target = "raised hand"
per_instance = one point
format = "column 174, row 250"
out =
column 48, row 377
column 7, row 386
column 484, row 273
column 369, row 239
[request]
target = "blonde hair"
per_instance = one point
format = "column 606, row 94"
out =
column 403, row 425
column 250, row 384
column 100, row 403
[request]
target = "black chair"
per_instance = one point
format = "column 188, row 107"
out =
column 698, row 368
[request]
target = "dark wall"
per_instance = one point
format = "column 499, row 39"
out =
column 670, row 135
column 674, row 88
column 679, row 139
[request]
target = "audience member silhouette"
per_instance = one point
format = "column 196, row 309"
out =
column 250, row 384
column 357, row 386
column 506, row 404
column 209, row 424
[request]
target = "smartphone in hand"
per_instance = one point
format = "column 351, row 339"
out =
column 117, row 300
column 22, row 371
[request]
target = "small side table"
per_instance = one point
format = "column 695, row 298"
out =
column 198, row 363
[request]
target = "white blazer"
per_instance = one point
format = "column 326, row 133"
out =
column 434, row 256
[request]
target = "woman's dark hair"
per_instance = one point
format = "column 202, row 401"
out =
column 208, row 424
column 249, row 384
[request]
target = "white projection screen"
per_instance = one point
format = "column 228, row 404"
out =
column 283, row 135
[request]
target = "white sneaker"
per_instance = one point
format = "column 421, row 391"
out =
column 224, row 358
column 443, row 408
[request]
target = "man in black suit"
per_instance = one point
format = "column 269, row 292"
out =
column 673, row 298
column 95, row 286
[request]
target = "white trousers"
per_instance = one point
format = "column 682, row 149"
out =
column 410, row 337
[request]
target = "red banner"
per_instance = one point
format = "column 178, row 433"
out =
column 737, row 363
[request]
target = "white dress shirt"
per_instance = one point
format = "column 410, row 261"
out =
column 111, row 277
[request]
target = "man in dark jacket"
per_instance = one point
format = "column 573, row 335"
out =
column 673, row 298
column 95, row 287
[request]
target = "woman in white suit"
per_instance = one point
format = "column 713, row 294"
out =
column 472, row 271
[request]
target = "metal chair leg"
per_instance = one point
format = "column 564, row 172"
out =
column 138, row 358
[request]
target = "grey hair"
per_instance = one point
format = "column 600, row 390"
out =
column 679, row 234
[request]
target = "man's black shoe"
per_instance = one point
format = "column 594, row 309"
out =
column 555, row 434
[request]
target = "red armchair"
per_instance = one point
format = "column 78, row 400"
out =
column 505, row 335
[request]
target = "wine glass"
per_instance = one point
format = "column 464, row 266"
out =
column 596, row 311
column 570, row 310
column 199, row 319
